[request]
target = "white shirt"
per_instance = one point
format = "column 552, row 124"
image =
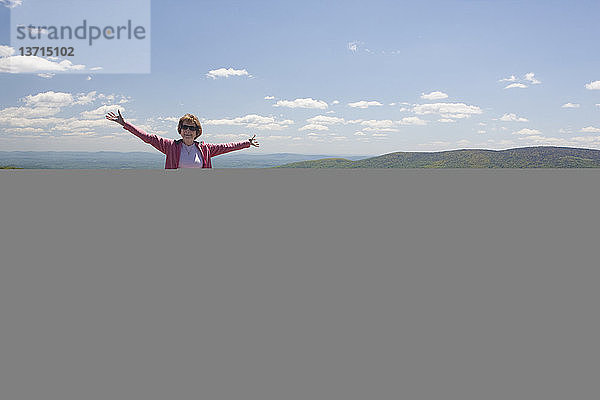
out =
column 190, row 156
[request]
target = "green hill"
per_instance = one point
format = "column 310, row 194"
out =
column 524, row 157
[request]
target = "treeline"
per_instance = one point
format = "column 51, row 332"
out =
column 525, row 157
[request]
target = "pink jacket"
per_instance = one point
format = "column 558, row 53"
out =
column 172, row 148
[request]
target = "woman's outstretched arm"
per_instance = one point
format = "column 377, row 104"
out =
column 216, row 149
column 159, row 143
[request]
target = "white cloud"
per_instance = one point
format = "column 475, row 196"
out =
column 276, row 137
column 86, row 98
column 49, row 99
column 325, row 120
column 25, row 130
column 226, row 73
column 252, row 121
column 447, row 110
column 446, row 120
column 435, row 145
column 302, row 103
column 96, row 68
column 380, row 135
column 79, row 133
column 229, row 136
column 587, row 139
column 456, row 116
column 46, row 75
column 593, row 85
column 33, row 64
column 590, row 129
column 269, row 97
column 526, row 131
column 481, row 132
column 107, row 97
column 333, row 103
column 530, row 77
column 359, row 133
column 516, row 85
column 6, row 51
column 28, row 112
column 40, row 111
column 11, row 3
column 101, row 111
column 169, row 119
column 112, row 98
column 412, row 121
column 314, row 127
column 379, row 126
column 24, row 122
column 570, row 105
column 512, row 118
column 364, row 104
column 503, row 142
column 434, row 96
column 572, row 142
column 78, row 126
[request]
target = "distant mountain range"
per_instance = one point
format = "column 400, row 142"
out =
column 141, row 160
column 524, row 157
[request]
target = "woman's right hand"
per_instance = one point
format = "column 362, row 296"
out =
column 117, row 118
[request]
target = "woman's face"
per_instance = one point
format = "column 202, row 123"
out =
column 187, row 133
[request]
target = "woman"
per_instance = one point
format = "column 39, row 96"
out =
column 184, row 152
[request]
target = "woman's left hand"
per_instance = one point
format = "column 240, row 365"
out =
column 253, row 141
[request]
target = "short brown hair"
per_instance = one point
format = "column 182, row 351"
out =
column 194, row 120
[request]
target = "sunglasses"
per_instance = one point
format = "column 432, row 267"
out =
column 190, row 127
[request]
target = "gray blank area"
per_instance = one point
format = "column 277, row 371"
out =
column 299, row 284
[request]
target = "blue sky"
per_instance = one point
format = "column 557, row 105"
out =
column 326, row 77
